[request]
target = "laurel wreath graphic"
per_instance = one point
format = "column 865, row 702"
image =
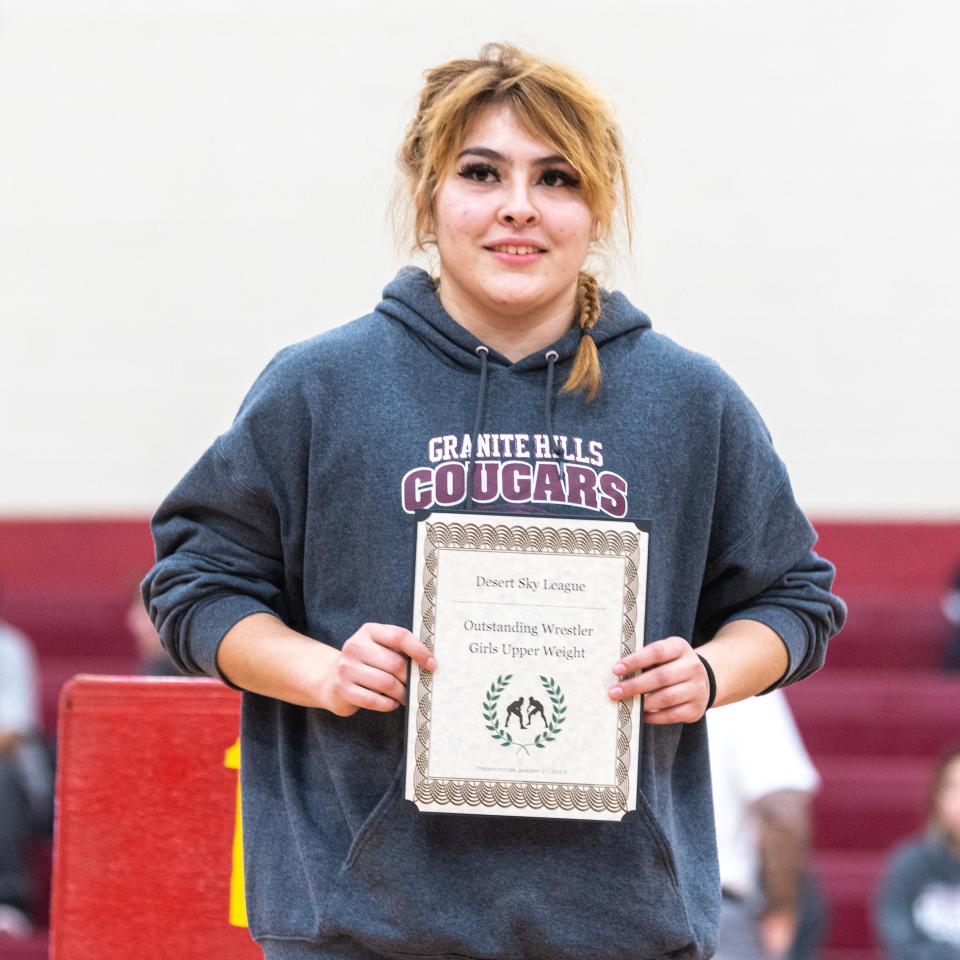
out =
column 490, row 709
column 557, row 716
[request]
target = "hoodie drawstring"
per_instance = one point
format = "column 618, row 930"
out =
column 483, row 352
column 551, row 358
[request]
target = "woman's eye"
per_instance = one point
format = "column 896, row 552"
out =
column 479, row 172
column 558, row 178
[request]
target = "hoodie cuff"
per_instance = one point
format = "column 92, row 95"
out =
column 210, row 624
column 788, row 626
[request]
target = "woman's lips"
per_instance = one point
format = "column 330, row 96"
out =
column 516, row 253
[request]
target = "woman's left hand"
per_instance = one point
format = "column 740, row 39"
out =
column 674, row 682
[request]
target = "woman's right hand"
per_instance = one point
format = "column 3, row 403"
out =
column 261, row 654
column 370, row 671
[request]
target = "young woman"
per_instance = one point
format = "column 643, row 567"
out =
column 284, row 556
column 918, row 907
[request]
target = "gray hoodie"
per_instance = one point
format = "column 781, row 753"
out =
column 305, row 509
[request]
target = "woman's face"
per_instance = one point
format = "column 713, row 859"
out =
column 511, row 225
column 948, row 800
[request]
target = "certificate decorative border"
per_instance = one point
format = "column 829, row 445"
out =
column 507, row 794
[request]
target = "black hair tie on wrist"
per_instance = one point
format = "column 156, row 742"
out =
column 712, row 680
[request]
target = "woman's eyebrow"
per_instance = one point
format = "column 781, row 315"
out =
column 499, row 157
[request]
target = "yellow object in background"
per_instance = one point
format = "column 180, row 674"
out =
column 238, row 903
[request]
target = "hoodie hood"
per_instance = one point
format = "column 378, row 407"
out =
column 411, row 299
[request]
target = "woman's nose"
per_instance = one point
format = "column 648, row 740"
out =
column 518, row 209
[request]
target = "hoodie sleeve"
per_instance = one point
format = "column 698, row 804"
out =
column 219, row 553
column 761, row 565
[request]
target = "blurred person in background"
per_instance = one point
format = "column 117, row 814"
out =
column 154, row 661
column 763, row 781
column 26, row 781
column 951, row 610
column 917, row 909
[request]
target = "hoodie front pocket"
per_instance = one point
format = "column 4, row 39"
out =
column 449, row 885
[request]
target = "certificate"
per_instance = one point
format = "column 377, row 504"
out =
column 526, row 617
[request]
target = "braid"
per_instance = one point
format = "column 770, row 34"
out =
column 585, row 374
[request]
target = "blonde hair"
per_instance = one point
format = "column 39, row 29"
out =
column 549, row 100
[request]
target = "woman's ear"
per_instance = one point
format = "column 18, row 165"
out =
column 428, row 219
column 429, row 234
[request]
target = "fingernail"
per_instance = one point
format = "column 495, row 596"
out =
column 432, row 664
column 619, row 669
column 616, row 693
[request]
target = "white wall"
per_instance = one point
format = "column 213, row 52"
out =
column 187, row 185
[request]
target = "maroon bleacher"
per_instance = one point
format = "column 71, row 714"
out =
column 67, row 583
column 895, row 789
column 873, row 719
column 878, row 714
